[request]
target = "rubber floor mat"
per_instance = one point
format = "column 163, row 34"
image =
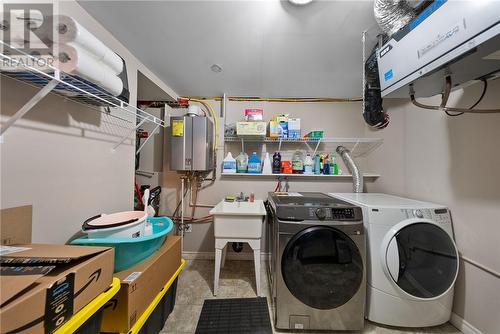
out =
column 235, row 315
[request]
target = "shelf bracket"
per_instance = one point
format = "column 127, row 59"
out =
column 29, row 105
column 279, row 145
column 317, row 146
column 129, row 133
column 147, row 139
column 354, row 148
column 242, row 145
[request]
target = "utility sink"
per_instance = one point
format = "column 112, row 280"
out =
column 242, row 220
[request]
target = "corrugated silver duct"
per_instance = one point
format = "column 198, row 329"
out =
column 392, row 15
column 357, row 177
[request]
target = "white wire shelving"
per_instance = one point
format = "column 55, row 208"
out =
column 359, row 147
column 74, row 88
column 344, row 177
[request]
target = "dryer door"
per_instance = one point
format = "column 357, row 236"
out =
column 322, row 267
column 421, row 259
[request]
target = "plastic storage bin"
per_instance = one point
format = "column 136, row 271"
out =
column 88, row 319
column 153, row 319
column 129, row 251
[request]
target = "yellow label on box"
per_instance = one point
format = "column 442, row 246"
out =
column 178, row 128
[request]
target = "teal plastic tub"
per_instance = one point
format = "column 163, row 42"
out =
column 130, row 251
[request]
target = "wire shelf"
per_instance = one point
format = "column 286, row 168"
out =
column 69, row 86
column 358, row 146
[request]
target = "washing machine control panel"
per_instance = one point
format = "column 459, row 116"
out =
column 440, row 216
column 323, row 213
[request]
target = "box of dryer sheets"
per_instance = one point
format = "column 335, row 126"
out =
column 283, row 123
column 251, row 128
column 294, row 128
column 139, row 286
column 42, row 286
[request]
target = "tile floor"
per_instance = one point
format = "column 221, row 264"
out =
column 237, row 281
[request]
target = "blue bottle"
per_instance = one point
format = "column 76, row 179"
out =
column 317, row 165
column 326, row 167
column 254, row 164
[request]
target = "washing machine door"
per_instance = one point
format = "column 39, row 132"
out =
column 420, row 258
column 322, row 267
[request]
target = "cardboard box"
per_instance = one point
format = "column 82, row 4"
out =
column 283, row 123
column 251, row 128
column 254, row 114
column 140, row 284
column 42, row 286
column 294, row 128
column 15, row 225
column 274, row 129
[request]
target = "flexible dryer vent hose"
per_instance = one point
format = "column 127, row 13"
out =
column 357, row 177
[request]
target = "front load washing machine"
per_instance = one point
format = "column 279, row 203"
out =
column 412, row 260
column 317, row 262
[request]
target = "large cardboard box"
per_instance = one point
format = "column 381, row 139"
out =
column 15, row 225
column 140, row 284
column 251, row 128
column 42, row 286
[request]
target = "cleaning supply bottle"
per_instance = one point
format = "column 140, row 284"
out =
column 308, row 165
column 297, row 163
column 317, row 164
column 254, row 164
column 326, row 166
column 334, row 168
column 229, row 164
column 267, row 168
column 276, row 163
column 321, row 162
column 242, row 163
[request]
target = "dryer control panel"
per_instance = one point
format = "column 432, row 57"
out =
column 440, row 216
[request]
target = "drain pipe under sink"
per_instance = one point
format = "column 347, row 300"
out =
column 357, row 177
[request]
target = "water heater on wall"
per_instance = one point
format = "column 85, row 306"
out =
column 191, row 143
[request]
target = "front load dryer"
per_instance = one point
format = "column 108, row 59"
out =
column 412, row 260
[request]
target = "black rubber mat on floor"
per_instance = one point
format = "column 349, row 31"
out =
column 237, row 315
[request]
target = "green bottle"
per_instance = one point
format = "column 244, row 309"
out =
column 334, row 168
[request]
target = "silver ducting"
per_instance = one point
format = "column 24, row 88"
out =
column 357, row 177
column 392, row 15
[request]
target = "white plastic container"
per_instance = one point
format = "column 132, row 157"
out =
column 308, row 165
column 238, row 219
column 229, row 164
column 266, row 167
column 127, row 224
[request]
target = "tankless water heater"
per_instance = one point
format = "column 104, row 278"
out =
column 191, row 143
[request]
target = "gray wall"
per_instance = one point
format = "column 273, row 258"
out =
column 337, row 119
column 453, row 161
column 58, row 157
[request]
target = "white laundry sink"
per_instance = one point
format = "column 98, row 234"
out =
column 242, row 220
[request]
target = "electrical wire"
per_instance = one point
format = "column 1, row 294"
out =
column 447, row 109
column 214, row 117
column 485, row 88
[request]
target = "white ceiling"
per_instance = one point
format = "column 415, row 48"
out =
column 266, row 48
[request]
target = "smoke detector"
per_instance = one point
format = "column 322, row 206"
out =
column 216, row 68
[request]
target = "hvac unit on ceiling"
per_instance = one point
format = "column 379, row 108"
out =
column 449, row 43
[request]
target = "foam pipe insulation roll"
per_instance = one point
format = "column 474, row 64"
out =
column 67, row 30
column 75, row 60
